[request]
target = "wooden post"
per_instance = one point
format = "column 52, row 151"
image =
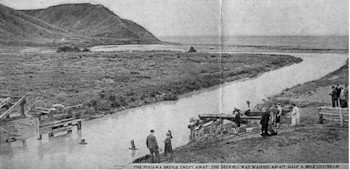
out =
column 38, row 127
column 22, row 108
column 79, row 125
column 341, row 116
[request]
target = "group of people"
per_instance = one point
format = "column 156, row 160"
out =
column 152, row 145
column 339, row 96
column 272, row 118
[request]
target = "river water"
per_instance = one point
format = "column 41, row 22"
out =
column 109, row 138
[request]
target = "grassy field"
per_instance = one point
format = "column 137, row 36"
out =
column 113, row 81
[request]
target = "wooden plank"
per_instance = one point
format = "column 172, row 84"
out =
column 225, row 116
column 62, row 122
column 45, row 131
column 12, row 107
column 330, row 114
column 5, row 102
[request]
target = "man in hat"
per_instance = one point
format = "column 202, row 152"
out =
column 152, row 145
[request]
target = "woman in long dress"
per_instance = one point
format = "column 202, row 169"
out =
column 295, row 117
column 168, row 149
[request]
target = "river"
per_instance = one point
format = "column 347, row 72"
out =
column 109, row 137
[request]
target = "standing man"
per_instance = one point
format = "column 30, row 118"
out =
column 152, row 145
column 265, row 118
column 338, row 90
column 334, row 97
column 295, row 117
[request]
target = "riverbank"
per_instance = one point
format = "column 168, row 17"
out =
column 107, row 82
column 312, row 143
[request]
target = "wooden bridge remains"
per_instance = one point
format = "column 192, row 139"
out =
column 58, row 119
column 212, row 124
column 10, row 103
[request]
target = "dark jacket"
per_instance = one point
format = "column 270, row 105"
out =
column 265, row 118
column 334, row 93
column 151, row 142
column 338, row 90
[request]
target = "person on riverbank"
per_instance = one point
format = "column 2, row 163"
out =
column 171, row 136
column 264, row 121
column 334, row 97
column 295, row 117
column 237, row 114
column 152, row 145
column 168, row 149
column 346, row 94
column 278, row 117
column 274, row 113
column 342, row 98
column 338, row 90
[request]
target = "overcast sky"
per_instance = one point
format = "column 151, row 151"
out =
column 239, row 17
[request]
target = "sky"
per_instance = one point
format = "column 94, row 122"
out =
column 222, row 17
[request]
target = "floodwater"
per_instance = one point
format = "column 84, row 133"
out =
column 109, row 138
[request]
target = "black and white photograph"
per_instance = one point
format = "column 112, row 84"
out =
column 174, row 84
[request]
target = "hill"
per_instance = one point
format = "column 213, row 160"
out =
column 92, row 21
column 19, row 28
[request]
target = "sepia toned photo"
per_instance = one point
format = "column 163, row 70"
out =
column 174, row 84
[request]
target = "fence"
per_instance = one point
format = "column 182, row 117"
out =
column 334, row 114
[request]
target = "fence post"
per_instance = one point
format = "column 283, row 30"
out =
column 341, row 116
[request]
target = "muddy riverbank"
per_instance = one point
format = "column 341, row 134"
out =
column 312, row 143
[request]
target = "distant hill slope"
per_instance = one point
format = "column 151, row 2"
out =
column 18, row 28
column 92, row 21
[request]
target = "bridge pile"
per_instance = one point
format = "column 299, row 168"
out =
column 57, row 119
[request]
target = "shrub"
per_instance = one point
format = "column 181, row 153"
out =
column 170, row 97
column 192, row 50
column 68, row 49
column 85, row 50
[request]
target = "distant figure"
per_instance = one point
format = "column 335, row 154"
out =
column 278, row 117
column 237, row 114
column 133, row 147
column 338, row 89
column 273, row 113
column 264, row 121
column 295, row 117
column 271, row 130
column 248, row 103
column 342, row 98
column 346, row 94
column 171, row 136
column 334, row 97
column 152, row 145
column 168, row 149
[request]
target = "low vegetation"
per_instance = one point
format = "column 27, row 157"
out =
column 112, row 81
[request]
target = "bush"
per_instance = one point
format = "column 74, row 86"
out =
column 170, row 97
column 85, row 50
column 68, row 49
column 192, row 50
